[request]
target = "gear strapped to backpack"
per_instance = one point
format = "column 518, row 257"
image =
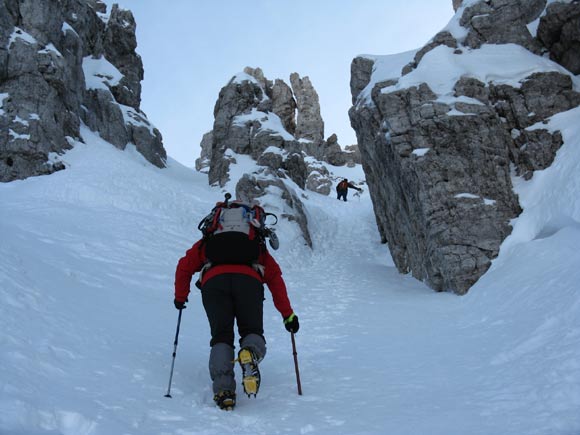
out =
column 233, row 232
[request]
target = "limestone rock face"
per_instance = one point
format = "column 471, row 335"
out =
column 63, row 63
column 540, row 96
column 440, row 185
column 254, row 114
column 251, row 118
column 502, row 22
column 490, row 22
column 309, row 123
column 353, row 155
column 230, row 130
column 280, row 128
column 559, row 31
column 284, row 105
column 331, row 152
column 361, row 70
column 319, row 179
column 120, row 44
column 202, row 163
column 438, row 167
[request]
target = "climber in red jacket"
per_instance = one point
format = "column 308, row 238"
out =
column 234, row 291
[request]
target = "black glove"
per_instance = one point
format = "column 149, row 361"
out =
column 179, row 304
column 291, row 323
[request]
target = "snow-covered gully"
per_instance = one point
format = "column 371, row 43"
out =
column 87, row 318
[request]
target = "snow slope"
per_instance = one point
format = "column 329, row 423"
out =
column 87, row 321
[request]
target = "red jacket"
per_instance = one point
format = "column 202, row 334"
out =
column 195, row 259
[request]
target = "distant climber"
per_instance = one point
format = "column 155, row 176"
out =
column 342, row 189
column 234, row 264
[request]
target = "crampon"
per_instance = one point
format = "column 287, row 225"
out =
column 226, row 400
column 251, row 374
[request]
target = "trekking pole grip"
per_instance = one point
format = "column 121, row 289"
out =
column 295, row 354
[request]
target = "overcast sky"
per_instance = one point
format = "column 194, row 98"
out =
column 191, row 48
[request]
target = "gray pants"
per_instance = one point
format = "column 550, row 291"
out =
column 229, row 298
column 221, row 361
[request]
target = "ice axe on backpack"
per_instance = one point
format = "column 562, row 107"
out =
column 270, row 232
column 272, row 238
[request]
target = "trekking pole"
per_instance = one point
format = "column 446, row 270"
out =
column 174, row 353
column 296, row 364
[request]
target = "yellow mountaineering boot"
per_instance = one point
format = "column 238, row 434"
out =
column 226, row 400
column 251, row 374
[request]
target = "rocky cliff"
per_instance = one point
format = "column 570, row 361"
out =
column 440, row 129
column 63, row 63
column 281, row 129
column 253, row 114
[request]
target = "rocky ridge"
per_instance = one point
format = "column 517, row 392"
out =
column 281, row 129
column 63, row 63
column 438, row 157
